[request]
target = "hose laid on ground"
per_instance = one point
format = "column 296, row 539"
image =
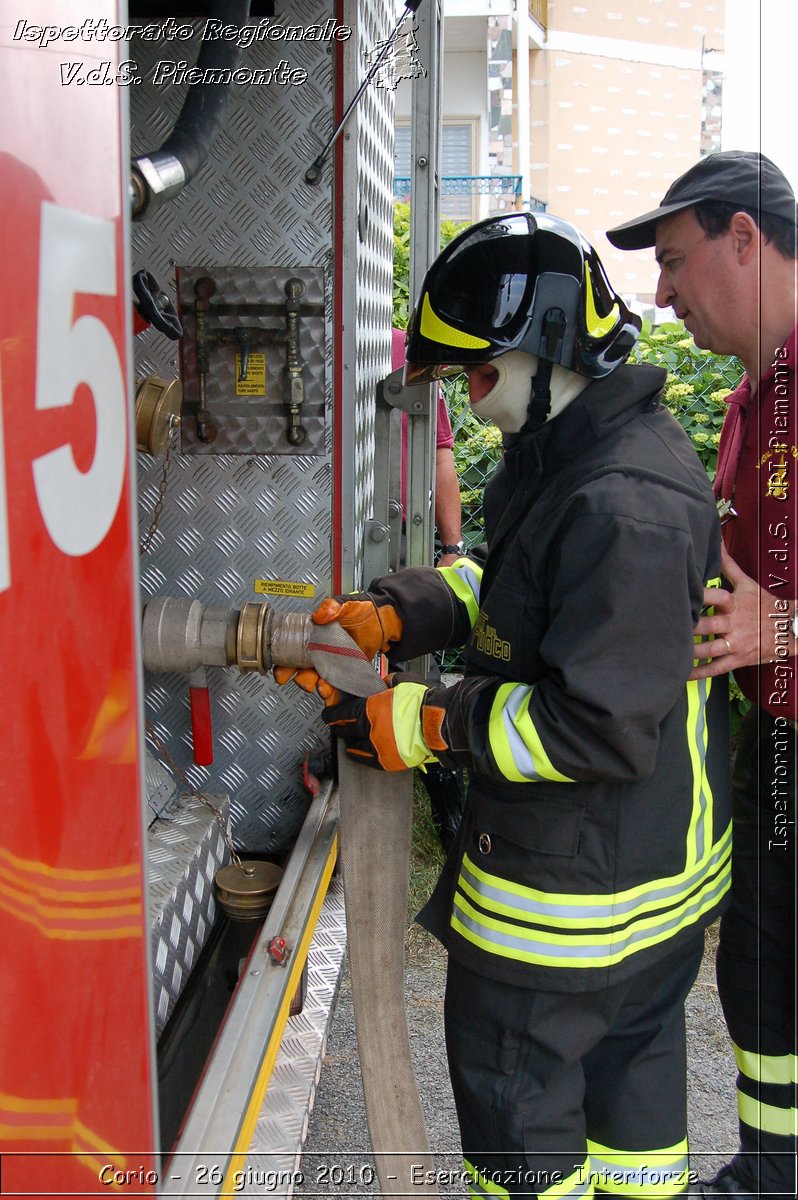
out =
column 376, row 810
column 375, row 893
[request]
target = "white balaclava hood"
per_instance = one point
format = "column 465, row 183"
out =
column 507, row 401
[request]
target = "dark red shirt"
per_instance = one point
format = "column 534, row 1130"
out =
column 758, row 473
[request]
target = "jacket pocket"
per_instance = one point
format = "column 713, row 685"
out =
column 507, row 831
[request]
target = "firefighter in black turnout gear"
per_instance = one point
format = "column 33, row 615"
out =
column 595, row 845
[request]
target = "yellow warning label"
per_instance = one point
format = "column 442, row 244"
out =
column 255, row 382
column 284, row 587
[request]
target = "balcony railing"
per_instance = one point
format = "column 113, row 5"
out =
column 503, row 186
column 539, row 10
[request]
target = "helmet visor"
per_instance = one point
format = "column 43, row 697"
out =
column 417, row 373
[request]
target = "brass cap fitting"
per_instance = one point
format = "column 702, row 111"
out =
column 158, row 403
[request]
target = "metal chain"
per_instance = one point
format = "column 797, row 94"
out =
column 192, row 792
column 171, row 444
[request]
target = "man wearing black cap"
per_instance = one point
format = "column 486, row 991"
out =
column 725, row 238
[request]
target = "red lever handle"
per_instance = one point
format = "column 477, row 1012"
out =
column 201, row 732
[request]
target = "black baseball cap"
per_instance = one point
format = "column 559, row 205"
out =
column 734, row 176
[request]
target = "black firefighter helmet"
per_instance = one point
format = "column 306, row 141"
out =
column 520, row 282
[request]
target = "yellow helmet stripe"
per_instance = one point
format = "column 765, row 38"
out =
column 597, row 326
column 436, row 330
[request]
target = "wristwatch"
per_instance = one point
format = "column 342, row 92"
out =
column 458, row 548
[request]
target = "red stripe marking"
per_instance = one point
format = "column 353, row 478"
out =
column 344, row 651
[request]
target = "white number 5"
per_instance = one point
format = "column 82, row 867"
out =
column 78, row 256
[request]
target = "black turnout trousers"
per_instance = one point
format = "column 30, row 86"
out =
column 756, row 955
column 556, row 1090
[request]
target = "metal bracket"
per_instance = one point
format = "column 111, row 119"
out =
column 246, row 338
column 383, row 531
column 415, row 401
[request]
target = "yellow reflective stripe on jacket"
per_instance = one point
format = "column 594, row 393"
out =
column 767, row 1117
column 716, row 582
column 767, row 1068
column 515, row 742
column 464, row 577
column 522, row 758
column 640, row 1175
column 698, row 835
column 406, row 715
column 561, row 930
column 587, row 910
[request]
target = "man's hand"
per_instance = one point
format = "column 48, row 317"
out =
column 742, row 629
column 391, row 730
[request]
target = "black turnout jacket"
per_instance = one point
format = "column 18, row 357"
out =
column 597, row 832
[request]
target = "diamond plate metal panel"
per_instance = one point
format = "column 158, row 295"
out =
column 230, row 520
column 185, row 850
column 282, row 1125
column 159, row 784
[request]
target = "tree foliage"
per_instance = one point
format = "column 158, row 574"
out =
column 401, row 259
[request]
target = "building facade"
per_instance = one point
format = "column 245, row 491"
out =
column 589, row 110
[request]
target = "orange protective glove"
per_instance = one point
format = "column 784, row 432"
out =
column 309, row 680
column 392, row 730
column 373, row 623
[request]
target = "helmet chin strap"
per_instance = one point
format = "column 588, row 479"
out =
column 528, row 392
column 540, row 400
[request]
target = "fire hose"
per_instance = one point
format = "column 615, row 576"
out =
column 187, row 636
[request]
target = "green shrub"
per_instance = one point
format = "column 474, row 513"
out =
column 401, row 265
column 697, row 384
column 401, row 259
